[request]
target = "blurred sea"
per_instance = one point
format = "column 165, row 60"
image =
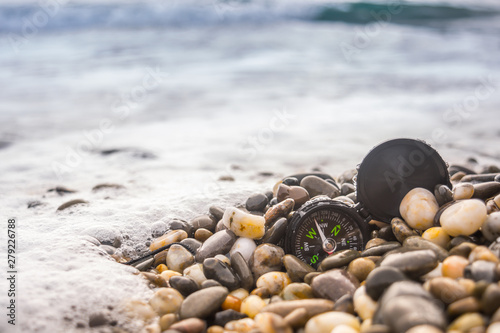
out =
column 164, row 97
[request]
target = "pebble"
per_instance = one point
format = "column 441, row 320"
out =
column 481, row 270
column 463, row 249
column 158, row 229
column 166, row 300
column 257, row 202
column 244, row 224
column 466, row 322
column 338, row 259
column 203, row 303
column 413, row 263
column 297, row 193
column 348, row 176
column 279, row 210
column 268, row 322
column 145, row 264
column 417, row 242
column 245, row 246
column 219, row 243
column 275, row 282
column 210, row 283
column 446, row 289
column 252, row 305
column 178, row 224
column 105, row 236
column 453, row 266
column 296, row 268
column 203, row 221
column 463, row 191
column 386, row 233
column 380, row 279
column 443, row 194
column 191, row 325
column 266, row 258
column 491, row 227
column 327, row 321
column 98, row 319
column 186, row 286
column 240, row 267
column 344, row 329
column 401, row 229
column 344, row 282
column 167, row 320
column 275, row 234
column 195, row 272
column 178, row 258
column 173, row 236
column 202, row 234
column 139, row 310
column 482, row 253
column 219, row 271
column 231, row 303
column 493, row 328
column 291, row 181
column 360, row 268
column 312, row 307
column 490, row 301
column 381, row 249
column 464, row 305
column 464, row 217
column 418, row 208
column 345, row 304
column 217, row 212
column 295, row 291
column 364, row 305
column 167, row 274
column 297, row 318
column 191, row 243
column 424, row 329
column 71, row 203
column 486, row 190
column 224, row 317
column 317, row 186
column 374, row 242
column 437, row 235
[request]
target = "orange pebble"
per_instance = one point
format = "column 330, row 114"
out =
column 232, row 303
column 161, row 268
column 453, row 266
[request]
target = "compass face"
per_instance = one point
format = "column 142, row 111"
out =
column 323, row 230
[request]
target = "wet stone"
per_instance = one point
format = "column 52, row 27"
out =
column 446, row 289
column 463, row 191
column 443, row 194
column 240, row 267
column 203, row 221
column 186, row 286
column 418, row 208
column 257, row 202
column 418, row 242
column 464, row 217
column 345, row 304
column 144, row 265
column 296, row 291
column 178, row 224
column 338, row 259
column 217, row 212
column 202, row 234
column 220, row 243
column 381, row 249
column 491, row 227
column 380, row 279
column 413, row 263
column 343, row 281
column 195, row 272
column 191, row 243
column 291, row 181
column 191, row 325
column 158, row 229
column 219, row 271
column 401, row 229
column 275, row 282
column 463, row 249
column 166, row 300
column 317, row 186
column 486, row 190
column 108, row 249
column 387, row 234
column 266, row 258
column 481, row 270
column 173, row 236
column 437, row 235
column 210, row 283
column 224, row 317
column 178, row 258
column 275, row 234
column 98, row 319
column 106, row 236
column 245, row 246
column 296, row 268
column 203, row 303
column 297, row 193
column 490, row 301
column 279, row 210
column 374, row 242
column 244, row 224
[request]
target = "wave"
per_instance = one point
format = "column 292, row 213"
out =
column 166, row 13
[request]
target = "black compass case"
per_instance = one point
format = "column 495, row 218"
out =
column 392, row 169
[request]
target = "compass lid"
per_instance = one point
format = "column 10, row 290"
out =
column 392, row 169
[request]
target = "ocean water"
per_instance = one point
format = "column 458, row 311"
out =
column 184, row 92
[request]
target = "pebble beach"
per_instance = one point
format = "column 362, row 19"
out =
column 127, row 126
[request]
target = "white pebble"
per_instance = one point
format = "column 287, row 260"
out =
column 464, row 217
column 327, row 321
column 244, row 224
column 418, row 208
column 491, row 227
column 364, row 305
column 245, row 246
column 344, row 329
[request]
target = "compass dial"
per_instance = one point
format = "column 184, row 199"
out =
column 322, row 227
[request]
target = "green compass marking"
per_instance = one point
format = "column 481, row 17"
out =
column 336, row 230
column 312, row 233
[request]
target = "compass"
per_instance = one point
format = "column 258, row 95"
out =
column 323, row 226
